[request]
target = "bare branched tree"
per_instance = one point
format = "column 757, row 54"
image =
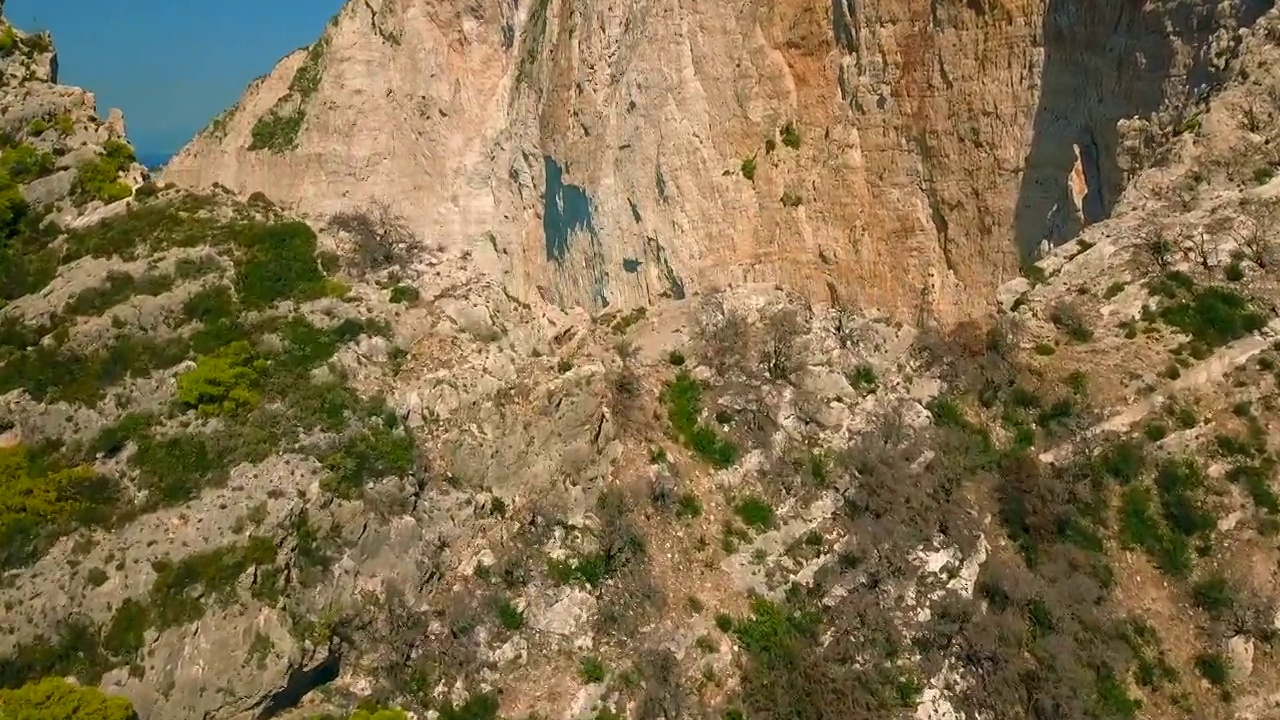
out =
column 1256, row 240
column 1157, row 246
column 723, row 336
column 780, row 355
column 381, row 238
column 1203, row 247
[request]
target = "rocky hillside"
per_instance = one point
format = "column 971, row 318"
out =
column 257, row 466
column 618, row 153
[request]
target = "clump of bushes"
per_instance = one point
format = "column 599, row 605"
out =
column 99, row 180
column 222, row 383
column 279, row 263
column 381, row 450
column 39, row 504
column 54, row 698
column 1213, row 316
column 404, row 295
column 24, row 163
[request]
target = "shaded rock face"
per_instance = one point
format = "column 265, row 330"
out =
column 897, row 154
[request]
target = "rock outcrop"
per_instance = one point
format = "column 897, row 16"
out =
column 896, row 154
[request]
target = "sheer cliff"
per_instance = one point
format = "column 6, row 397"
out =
column 899, row 154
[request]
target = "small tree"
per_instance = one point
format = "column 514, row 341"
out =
column 1202, row 249
column 780, row 356
column 723, row 336
column 381, row 238
column 1256, row 239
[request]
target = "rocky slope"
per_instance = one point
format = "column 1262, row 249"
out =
column 253, row 468
column 622, row 152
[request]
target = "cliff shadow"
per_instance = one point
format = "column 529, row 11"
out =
column 1104, row 62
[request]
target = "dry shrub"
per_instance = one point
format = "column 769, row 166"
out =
column 722, row 336
column 380, row 238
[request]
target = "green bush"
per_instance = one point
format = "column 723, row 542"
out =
column 119, row 286
column 749, row 168
column 279, row 263
column 755, row 512
column 683, row 398
column 56, row 699
column 25, row 163
column 1214, row 595
column 277, row 130
column 38, row 504
column 1214, row 667
column 1213, row 316
column 222, row 383
column 404, row 295
column 510, row 616
column 99, row 180
column 375, row 452
column 174, row 469
column 791, row 136
column 591, row 670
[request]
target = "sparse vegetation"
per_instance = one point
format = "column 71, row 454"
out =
column 278, row 129
column 683, row 397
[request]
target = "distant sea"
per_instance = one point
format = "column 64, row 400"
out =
column 154, row 160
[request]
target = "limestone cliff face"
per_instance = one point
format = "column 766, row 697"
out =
column 897, row 154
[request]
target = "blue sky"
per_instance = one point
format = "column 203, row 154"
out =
column 171, row 65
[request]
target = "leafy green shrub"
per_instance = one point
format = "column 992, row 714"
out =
column 25, row 163
column 683, row 397
column 591, row 670
column 379, row 451
column 1214, row 316
column 38, row 504
column 863, row 377
column 99, row 180
column 755, row 512
column 1069, row 319
column 56, row 699
column 749, row 168
column 791, row 136
column 1214, row 595
column 510, row 616
column 404, row 294
column 50, row 374
column 280, row 263
column 1123, row 461
column 1214, row 667
column 222, row 383
column 174, row 469
column 1256, row 480
column 481, row 706
column 688, row 505
column 181, row 222
column 8, row 40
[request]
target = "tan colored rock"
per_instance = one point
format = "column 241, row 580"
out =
column 933, row 138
